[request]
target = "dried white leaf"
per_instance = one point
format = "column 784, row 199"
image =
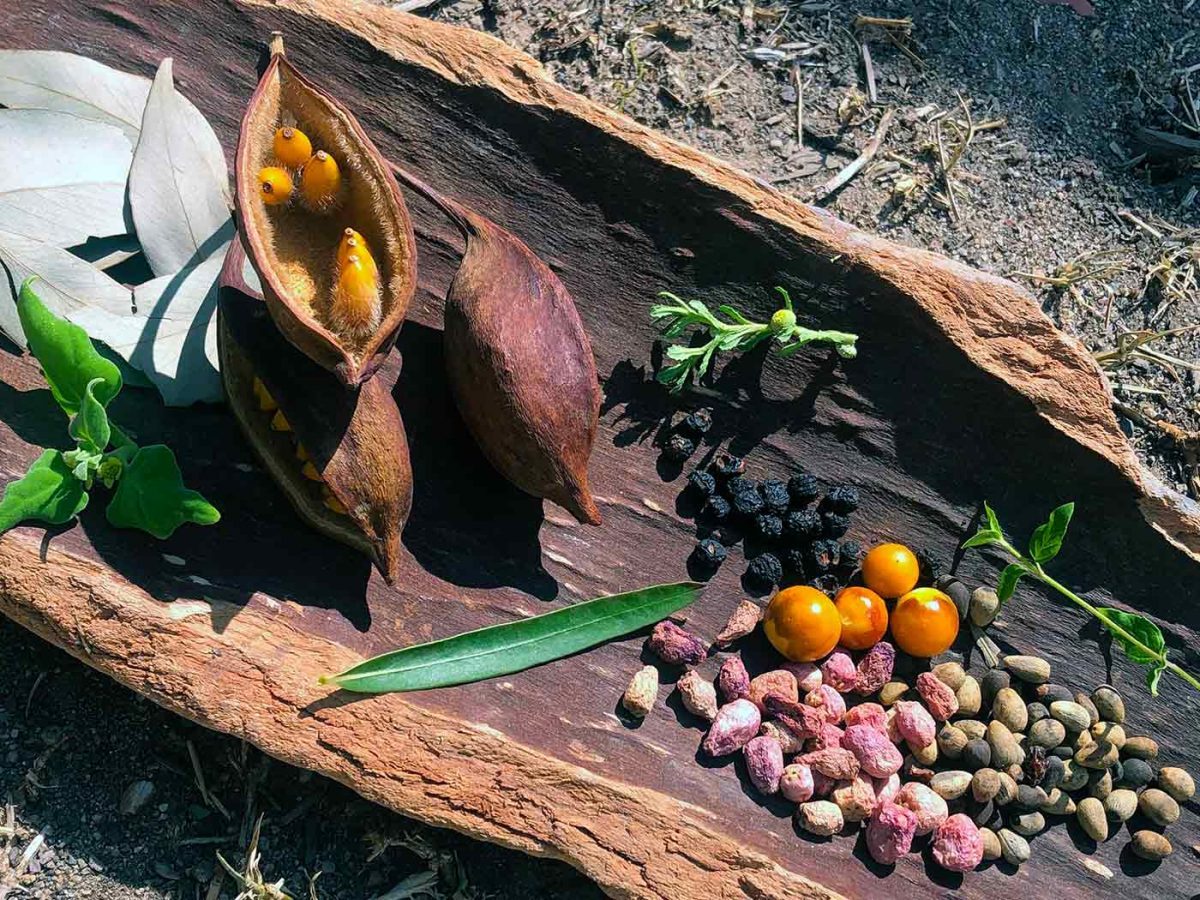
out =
column 104, row 253
column 63, row 178
column 179, row 182
column 65, row 82
column 68, row 284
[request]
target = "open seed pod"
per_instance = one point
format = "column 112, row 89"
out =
column 519, row 362
column 341, row 456
column 292, row 215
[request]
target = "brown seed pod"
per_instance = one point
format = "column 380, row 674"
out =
column 340, row 456
column 519, row 362
column 291, row 246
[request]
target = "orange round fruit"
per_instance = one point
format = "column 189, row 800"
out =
column 802, row 623
column 864, row 617
column 924, row 622
column 890, row 570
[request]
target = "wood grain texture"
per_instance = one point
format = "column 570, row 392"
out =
column 963, row 391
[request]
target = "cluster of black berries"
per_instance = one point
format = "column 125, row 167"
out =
column 682, row 443
column 804, row 539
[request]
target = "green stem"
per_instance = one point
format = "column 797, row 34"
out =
column 1035, row 570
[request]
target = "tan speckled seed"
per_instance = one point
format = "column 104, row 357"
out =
column 1140, row 747
column 951, row 741
column 1177, row 783
column 991, row 843
column 1092, row 818
column 1008, row 708
column 950, row 674
column 969, row 696
column 1150, row 845
column 1158, row 806
column 1120, row 805
column 891, row 692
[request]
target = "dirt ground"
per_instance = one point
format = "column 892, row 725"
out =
column 1067, row 178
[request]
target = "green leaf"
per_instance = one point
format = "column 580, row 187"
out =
column 515, row 646
column 48, row 492
column 993, row 523
column 733, row 315
column 681, row 352
column 89, row 427
column 674, row 376
column 982, row 538
column 68, row 359
column 1153, row 674
column 1141, row 628
column 1007, row 583
column 151, row 496
column 1048, row 538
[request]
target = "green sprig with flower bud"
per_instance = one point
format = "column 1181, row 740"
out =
column 736, row 335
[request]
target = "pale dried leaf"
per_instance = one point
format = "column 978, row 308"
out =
column 63, row 178
column 179, row 182
column 65, row 82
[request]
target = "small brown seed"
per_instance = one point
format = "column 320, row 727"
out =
column 951, row 741
column 1074, row 777
column 1120, row 805
column 952, row 784
column 950, row 674
column 927, row 755
column 891, row 692
column 984, row 606
column 639, row 697
column 745, row 619
column 1086, row 702
column 1009, row 708
column 1006, row 751
column 1071, row 714
column 1177, row 783
column 698, row 695
column 1047, row 733
column 991, row 843
column 1059, row 803
column 1109, row 704
column 1014, row 847
column 972, row 728
column 985, row 785
column 1109, row 731
column 1141, row 747
column 1158, row 806
column 969, row 697
column 1092, row 818
column 1008, row 790
column 1030, row 669
column 1099, row 783
column 1099, row 755
column 1150, row 845
column 1028, row 824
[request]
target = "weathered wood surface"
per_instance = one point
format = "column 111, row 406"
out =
column 963, row 391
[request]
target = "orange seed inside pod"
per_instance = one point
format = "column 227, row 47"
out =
column 274, row 185
column 356, row 308
column 354, row 243
column 320, row 181
column 292, row 147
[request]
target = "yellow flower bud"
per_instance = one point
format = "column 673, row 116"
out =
column 320, row 181
column 265, row 401
column 292, row 147
column 356, row 308
column 274, row 185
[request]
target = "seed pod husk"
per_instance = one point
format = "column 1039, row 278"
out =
column 292, row 247
column 353, row 439
column 519, row 362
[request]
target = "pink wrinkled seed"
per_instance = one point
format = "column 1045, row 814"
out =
column 777, row 681
column 871, row 714
column 764, row 763
column 890, row 833
column 733, row 681
column 957, row 844
column 736, row 723
column 828, row 701
column 808, row 675
column 877, row 755
column 796, row 783
column 875, row 669
column 928, row 806
column 838, row 671
column 914, row 723
column 937, row 696
column 675, row 646
column 886, row 789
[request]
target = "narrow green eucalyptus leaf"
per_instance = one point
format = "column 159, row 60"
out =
column 1048, row 537
column 65, row 352
column 515, row 646
column 151, row 496
column 1007, row 582
column 1153, row 674
column 1142, row 629
column 48, row 492
column 89, row 427
column 993, row 523
column 983, row 538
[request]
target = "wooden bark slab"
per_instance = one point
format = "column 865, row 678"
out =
column 963, row 391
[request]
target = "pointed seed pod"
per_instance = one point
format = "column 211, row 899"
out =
column 354, row 440
column 354, row 243
column 355, row 307
column 519, row 362
column 274, row 185
column 292, row 250
column 292, row 147
column 321, row 182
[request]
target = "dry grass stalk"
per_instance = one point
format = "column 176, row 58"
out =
column 868, row 153
column 1136, row 345
column 250, row 879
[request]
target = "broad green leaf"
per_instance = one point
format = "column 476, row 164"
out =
column 515, row 646
column 1007, row 583
column 66, row 283
column 151, row 496
column 89, row 427
column 734, row 315
column 993, row 523
column 63, row 178
column 48, row 492
column 674, row 376
column 68, row 359
column 179, row 182
column 1142, row 629
column 67, row 83
column 682, row 351
column 983, row 538
column 1153, row 675
column 1048, row 538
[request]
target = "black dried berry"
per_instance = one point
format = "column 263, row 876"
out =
column 822, row 556
column 834, row 524
column 716, row 508
column 775, row 495
column 728, row 465
column 1036, row 765
column 842, row 499
column 827, row 584
column 748, row 502
column 768, row 525
column 802, row 524
column 929, row 567
column 803, row 489
column 737, row 484
column 765, row 570
column 698, row 422
column 709, row 553
column 850, row 556
column 702, row 482
column 794, row 559
column 679, row 448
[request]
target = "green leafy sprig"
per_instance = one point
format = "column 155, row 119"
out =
column 1138, row 637
column 737, row 335
column 149, row 495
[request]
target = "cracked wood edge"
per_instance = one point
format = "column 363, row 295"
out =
column 995, row 323
column 260, row 683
